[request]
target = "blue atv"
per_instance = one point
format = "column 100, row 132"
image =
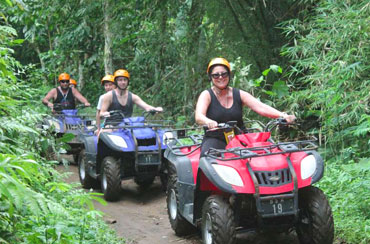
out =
column 64, row 121
column 128, row 148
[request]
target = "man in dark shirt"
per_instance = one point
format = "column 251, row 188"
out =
column 121, row 99
column 64, row 95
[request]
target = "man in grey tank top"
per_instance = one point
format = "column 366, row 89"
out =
column 121, row 99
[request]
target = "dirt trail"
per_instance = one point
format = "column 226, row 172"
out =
column 140, row 216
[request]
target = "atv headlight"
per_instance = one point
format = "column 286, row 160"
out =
column 167, row 136
column 52, row 123
column 228, row 174
column 118, row 141
column 308, row 166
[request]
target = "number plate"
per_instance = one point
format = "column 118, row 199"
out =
column 148, row 159
column 277, row 206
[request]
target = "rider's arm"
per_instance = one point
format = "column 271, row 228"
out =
column 79, row 97
column 98, row 108
column 203, row 103
column 262, row 108
column 51, row 95
column 107, row 100
column 139, row 102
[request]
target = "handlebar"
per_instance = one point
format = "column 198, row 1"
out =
column 112, row 114
column 277, row 122
column 145, row 114
column 223, row 126
column 63, row 106
column 233, row 125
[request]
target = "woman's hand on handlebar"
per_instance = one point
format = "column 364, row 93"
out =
column 211, row 124
column 290, row 118
column 158, row 109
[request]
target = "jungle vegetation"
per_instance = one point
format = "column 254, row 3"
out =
column 306, row 57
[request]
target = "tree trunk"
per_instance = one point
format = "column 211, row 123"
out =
column 81, row 79
column 244, row 34
column 195, row 18
column 108, row 38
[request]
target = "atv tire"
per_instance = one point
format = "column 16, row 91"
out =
column 178, row 223
column 218, row 222
column 316, row 225
column 75, row 158
column 144, row 182
column 111, row 179
column 163, row 175
column 86, row 180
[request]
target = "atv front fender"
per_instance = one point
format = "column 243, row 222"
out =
column 89, row 142
column 205, row 165
column 182, row 164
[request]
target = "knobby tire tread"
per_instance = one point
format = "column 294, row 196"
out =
column 180, row 225
column 223, row 220
column 321, row 228
column 89, row 182
column 112, row 171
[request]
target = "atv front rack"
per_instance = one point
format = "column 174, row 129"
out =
column 182, row 139
column 261, row 151
column 134, row 126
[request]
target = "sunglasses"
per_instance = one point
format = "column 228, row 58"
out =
column 64, row 81
column 218, row 75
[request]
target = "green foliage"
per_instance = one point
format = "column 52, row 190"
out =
column 329, row 50
column 347, row 186
column 330, row 59
column 35, row 205
column 166, row 46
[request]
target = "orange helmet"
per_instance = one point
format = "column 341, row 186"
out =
column 107, row 78
column 73, row 82
column 121, row 72
column 218, row 61
column 63, row 76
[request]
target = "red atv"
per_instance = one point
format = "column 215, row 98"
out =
column 254, row 184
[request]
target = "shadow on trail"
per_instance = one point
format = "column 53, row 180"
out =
column 131, row 192
column 251, row 237
column 140, row 214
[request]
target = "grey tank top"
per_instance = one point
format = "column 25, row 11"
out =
column 115, row 105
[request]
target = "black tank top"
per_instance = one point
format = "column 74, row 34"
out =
column 67, row 100
column 115, row 105
column 220, row 114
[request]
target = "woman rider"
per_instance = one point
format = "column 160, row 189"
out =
column 222, row 103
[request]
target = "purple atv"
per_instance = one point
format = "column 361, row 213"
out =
column 129, row 148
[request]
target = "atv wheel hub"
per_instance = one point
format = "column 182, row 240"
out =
column 82, row 169
column 173, row 204
column 208, row 230
column 104, row 181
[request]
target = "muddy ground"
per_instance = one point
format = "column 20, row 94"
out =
column 140, row 216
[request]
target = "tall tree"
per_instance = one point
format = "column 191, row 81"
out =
column 108, row 37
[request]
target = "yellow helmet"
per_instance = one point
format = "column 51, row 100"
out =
column 218, row 61
column 63, row 76
column 121, row 72
column 73, row 82
column 107, row 78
